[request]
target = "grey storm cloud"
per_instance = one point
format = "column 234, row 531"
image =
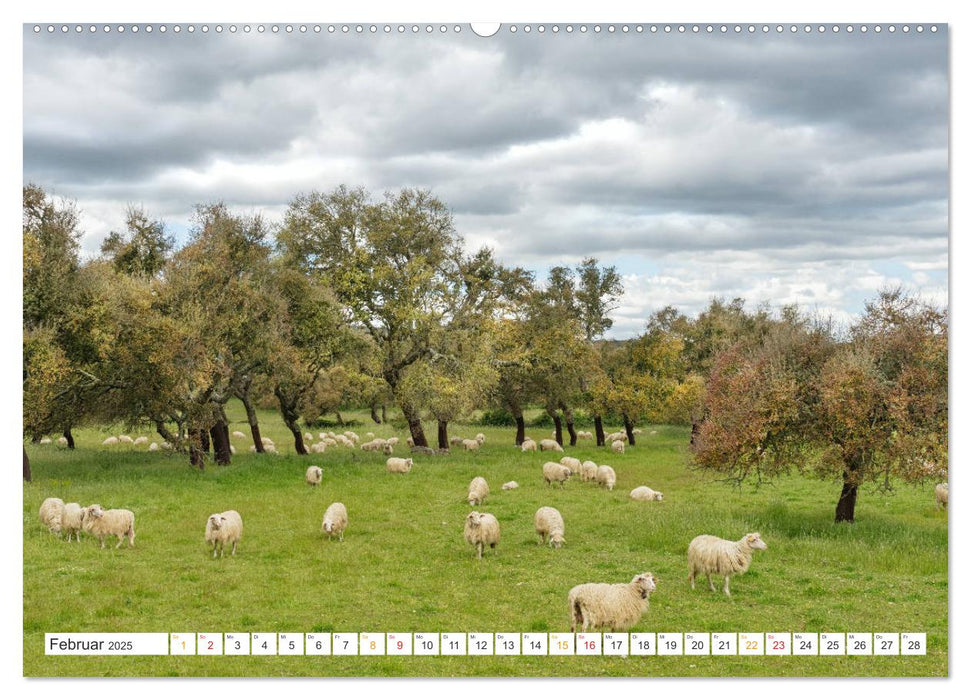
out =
column 802, row 148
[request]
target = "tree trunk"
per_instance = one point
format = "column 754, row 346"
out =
column 443, row 434
column 846, row 506
column 168, row 436
column 568, row 415
column 26, row 466
column 629, row 427
column 220, row 443
column 520, row 429
column 251, row 418
column 558, row 425
column 340, row 418
column 374, row 414
column 288, row 409
column 69, row 437
column 598, row 426
column 297, row 439
column 197, row 458
column 695, row 432
column 414, row 426
column 384, row 413
column 204, row 440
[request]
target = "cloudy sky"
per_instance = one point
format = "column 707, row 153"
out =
column 807, row 168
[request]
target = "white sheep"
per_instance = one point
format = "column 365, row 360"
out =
column 510, row 485
column 50, row 513
column 481, row 529
column 166, row 445
column 47, row 441
column 554, row 472
column 410, row 441
column 351, row 435
column 455, row 441
column 572, row 462
column 125, row 439
column 709, row 555
column 308, row 437
column 108, row 441
column 478, row 490
column 479, row 438
column 392, row 441
column 71, row 520
column 238, row 435
column 61, row 441
column 116, row 521
column 318, row 448
column 606, row 476
column 267, row 442
column 398, row 465
column 470, row 445
column 549, row 524
column 547, row 444
column 588, row 471
column 616, row 606
column 270, row 449
column 528, row 446
column 617, row 446
column 369, row 435
column 140, row 440
column 223, row 528
column 940, row 494
column 335, row 521
column 153, row 447
column 637, row 431
column 313, row 475
column 643, row 493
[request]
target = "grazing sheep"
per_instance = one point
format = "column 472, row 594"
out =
column 351, row 435
column 479, row 438
column 140, row 440
column 313, row 475
column 637, row 431
column 392, row 441
column 61, row 441
column 50, row 513
column 308, row 437
column 371, row 446
column 455, row 441
column 318, row 448
column 617, row 606
column 71, row 519
column 125, row 439
column 329, row 442
column 398, row 465
column 271, row 449
column 47, row 441
column 643, row 493
column 387, row 448
column 223, row 528
column 509, row 486
column 101, row 523
column 343, row 441
column 153, row 447
column 478, row 490
column 555, row 472
column 617, row 446
column 619, row 435
column 550, row 445
column 267, row 442
column 166, row 445
column 323, row 435
column 238, row 435
column 606, row 476
column 335, row 520
column 940, row 493
column 110, row 441
column 588, row 471
column 528, row 446
column 421, row 450
column 549, row 524
column 481, row 529
column 585, row 435
column 572, row 462
column 470, row 445
column 709, row 555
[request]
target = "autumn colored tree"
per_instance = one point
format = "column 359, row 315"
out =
column 142, row 249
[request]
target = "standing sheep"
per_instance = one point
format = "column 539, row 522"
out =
column 617, row 606
column 479, row 438
column 471, row 445
column 223, row 528
column 481, row 529
column 606, row 477
column 940, row 493
column 313, row 475
column 153, row 447
column 528, row 446
column 62, row 441
column 50, row 513
column 554, row 472
column 398, row 465
column 47, row 440
column 335, row 521
column 478, row 490
column 643, row 493
column 548, row 444
column 588, row 471
column 709, row 555
column 109, row 441
column 116, row 521
column 549, row 524
column 617, row 446
column 71, row 520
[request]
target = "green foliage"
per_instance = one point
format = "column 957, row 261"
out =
column 496, row 417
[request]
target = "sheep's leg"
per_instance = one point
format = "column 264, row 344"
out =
column 102, row 538
column 725, row 587
column 131, row 537
column 215, row 545
column 711, row 584
column 691, row 578
column 121, row 538
column 478, row 549
column 234, row 548
column 340, row 538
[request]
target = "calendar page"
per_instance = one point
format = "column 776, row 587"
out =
column 485, row 350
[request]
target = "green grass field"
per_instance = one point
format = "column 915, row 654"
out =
column 405, row 567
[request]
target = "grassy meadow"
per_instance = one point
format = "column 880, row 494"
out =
column 405, row 567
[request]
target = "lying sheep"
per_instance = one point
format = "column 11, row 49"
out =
column 398, row 465
column 510, row 485
column 549, row 524
column 153, row 447
column 223, row 528
column 116, row 521
column 588, row 471
column 478, row 490
column 238, row 435
column 617, row 446
column 50, row 513
column 643, row 493
column 606, row 477
column 110, row 441
column 572, row 462
column 528, row 446
column 637, row 431
column 125, row 439
column 615, row 606
column 140, row 440
column 335, row 521
column 940, row 493
column 47, row 440
column 481, row 529
column 313, row 475
column 709, row 555
column 550, row 445
column 61, row 441
column 470, row 445
column 479, row 438
column 554, row 472
column 267, row 442
column 71, row 520
column 271, row 449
